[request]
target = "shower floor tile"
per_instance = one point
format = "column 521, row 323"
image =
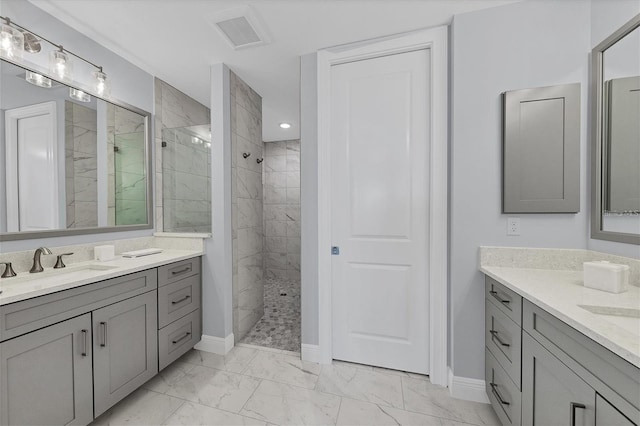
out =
column 279, row 328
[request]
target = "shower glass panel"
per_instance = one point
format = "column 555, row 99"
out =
column 186, row 179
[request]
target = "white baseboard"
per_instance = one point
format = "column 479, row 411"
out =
column 310, row 353
column 216, row 345
column 467, row 389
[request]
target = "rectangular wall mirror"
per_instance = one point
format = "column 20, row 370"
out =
column 616, row 136
column 72, row 163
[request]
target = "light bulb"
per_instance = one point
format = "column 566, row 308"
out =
column 11, row 43
column 79, row 95
column 60, row 65
column 285, row 125
column 37, row 79
column 101, row 84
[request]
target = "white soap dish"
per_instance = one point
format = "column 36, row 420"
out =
column 606, row 276
column 140, row 253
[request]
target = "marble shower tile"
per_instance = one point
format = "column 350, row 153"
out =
column 275, row 228
column 293, row 212
column 293, row 229
column 276, row 179
column 293, row 245
column 248, row 125
column 179, row 110
column 284, row 369
column 283, row 404
column 277, row 163
column 84, row 117
column 249, row 213
column 275, row 195
column 85, row 141
column 190, row 414
column 293, row 196
column 249, row 242
column 126, row 121
column 293, row 163
column 85, row 165
column 359, row 384
column 293, row 179
column 293, row 147
column 275, row 260
column 214, row 388
column 86, row 189
column 250, row 271
column 275, row 211
column 276, row 244
column 423, row 397
column 249, row 184
column 275, row 273
column 275, row 148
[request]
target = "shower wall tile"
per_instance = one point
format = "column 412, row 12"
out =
column 282, row 209
column 247, row 197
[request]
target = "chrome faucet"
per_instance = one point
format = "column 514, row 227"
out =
column 37, row 266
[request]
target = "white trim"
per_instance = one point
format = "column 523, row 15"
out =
column 434, row 39
column 468, row 389
column 310, row 353
column 11, row 118
column 216, row 345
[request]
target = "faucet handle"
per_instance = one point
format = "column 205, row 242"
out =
column 8, row 271
column 59, row 263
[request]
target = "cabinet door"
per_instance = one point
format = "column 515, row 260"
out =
column 552, row 394
column 125, row 348
column 608, row 415
column 45, row 376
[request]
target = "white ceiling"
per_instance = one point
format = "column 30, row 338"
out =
column 172, row 39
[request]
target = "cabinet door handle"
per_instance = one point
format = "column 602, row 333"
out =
column 495, row 294
column 104, row 334
column 187, row 269
column 494, row 389
column 495, row 336
column 181, row 339
column 575, row 405
column 84, row 343
column 175, row 302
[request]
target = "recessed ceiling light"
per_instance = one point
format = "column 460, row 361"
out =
column 285, row 125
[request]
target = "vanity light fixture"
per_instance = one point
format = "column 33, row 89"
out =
column 11, row 41
column 37, row 79
column 285, row 125
column 15, row 40
column 79, row 95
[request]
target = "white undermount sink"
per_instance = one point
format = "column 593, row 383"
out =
column 74, row 272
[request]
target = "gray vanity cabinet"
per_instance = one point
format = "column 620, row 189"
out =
column 45, row 376
column 552, row 394
column 125, row 348
column 608, row 415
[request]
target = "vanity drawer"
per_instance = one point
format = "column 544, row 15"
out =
column 503, row 339
column 28, row 315
column 176, row 271
column 616, row 379
column 178, row 337
column 177, row 299
column 508, row 301
column 503, row 394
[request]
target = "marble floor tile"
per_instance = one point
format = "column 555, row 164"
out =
column 360, row 384
column 167, row 377
column 195, row 414
column 214, row 388
column 235, row 361
column 142, row 407
column 423, row 397
column 354, row 412
column 284, row 369
column 290, row 405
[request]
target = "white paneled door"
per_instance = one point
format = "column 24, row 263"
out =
column 380, row 210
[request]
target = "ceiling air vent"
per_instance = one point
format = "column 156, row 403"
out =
column 240, row 27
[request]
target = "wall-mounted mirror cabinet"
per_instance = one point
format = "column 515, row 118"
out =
column 615, row 99
column 71, row 163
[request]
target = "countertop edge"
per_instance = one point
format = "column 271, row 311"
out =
column 592, row 334
column 101, row 275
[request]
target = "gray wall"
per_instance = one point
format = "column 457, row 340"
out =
column 281, row 173
column 309, row 197
column 246, row 199
column 522, row 45
column 128, row 83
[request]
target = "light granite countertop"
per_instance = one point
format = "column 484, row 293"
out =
column 562, row 293
column 26, row 286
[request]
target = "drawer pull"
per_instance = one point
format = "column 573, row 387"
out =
column 187, row 269
column 495, row 294
column 494, row 334
column 104, row 334
column 494, row 389
column 175, row 302
column 181, row 339
column 575, row 405
column 84, row 343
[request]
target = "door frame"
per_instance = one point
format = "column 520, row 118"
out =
column 11, row 118
column 434, row 39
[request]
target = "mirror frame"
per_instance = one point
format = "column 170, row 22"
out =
column 596, row 135
column 28, row 235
